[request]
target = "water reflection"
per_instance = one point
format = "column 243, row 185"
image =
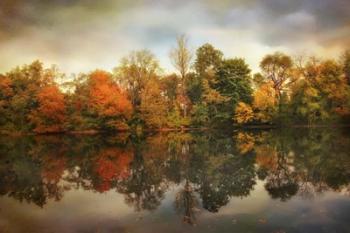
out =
column 208, row 169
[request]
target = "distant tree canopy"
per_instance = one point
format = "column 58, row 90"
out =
column 208, row 90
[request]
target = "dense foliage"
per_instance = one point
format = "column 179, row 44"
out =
column 208, row 90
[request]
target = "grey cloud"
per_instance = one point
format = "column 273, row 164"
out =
column 286, row 22
column 96, row 32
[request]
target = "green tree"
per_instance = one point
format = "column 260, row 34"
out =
column 207, row 63
column 200, row 114
column 306, row 103
column 207, row 57
column 194, row 87
column 234, row 82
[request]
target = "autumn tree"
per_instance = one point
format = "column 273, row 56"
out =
column 321, row 93
column 169, row 85
column 306, row 103
column 108, row 101
column 333, row 87
column 98, row 103
column 134, row 72
column 265, row 103
column 22, row 86
column 153, row 106
column 243, row 113
column 49, row 116
column 277, row 68
column 6, row 89
column 6, row 94
column 263, row 108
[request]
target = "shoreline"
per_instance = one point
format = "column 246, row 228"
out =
column 292, row 126
column 95, row 132
column 184, row 129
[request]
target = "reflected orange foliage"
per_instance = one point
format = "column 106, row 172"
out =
column 112, row 163
column 266, row 157
column 53, row 169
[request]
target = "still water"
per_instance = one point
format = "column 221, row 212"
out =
column 276, row 181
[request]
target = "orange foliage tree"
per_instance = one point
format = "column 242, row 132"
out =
column 6, row 94
column 108, row 101
column 49, row 116
column 5, row 87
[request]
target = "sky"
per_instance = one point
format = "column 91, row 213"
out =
column 83, row 35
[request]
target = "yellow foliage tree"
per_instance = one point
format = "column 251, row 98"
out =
column 153, row 106
column 264, row 103
column 243, row 113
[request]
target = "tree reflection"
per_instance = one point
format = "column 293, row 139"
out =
column 111, row 164
column 209, row 168
column 186, row 203
column 280, row 176
column 225, row 176
column 143, row 189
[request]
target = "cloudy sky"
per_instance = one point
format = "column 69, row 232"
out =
column 82, row 35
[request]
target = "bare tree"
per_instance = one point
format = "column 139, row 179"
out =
column 181, row 57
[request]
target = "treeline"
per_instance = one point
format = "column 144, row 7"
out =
column 208, row 90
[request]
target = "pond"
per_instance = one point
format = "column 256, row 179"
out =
column 279, row 181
